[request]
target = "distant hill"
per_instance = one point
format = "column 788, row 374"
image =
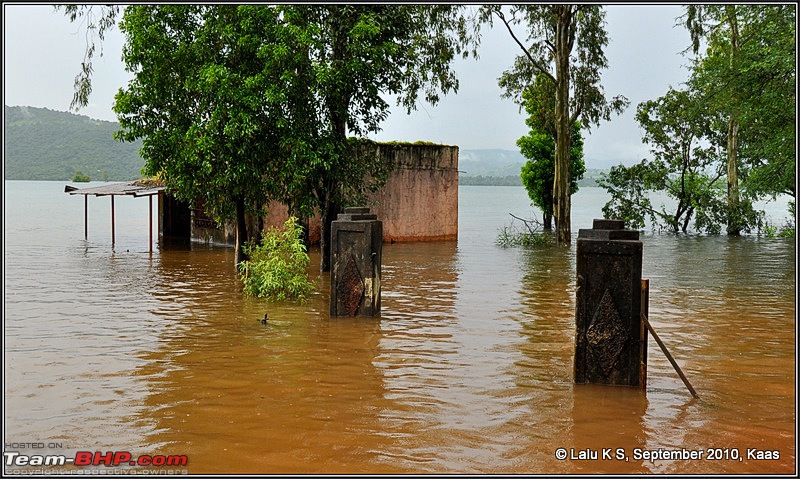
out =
column 490, row 162
column 43, row 144
column 480, row 180
column 496, row 167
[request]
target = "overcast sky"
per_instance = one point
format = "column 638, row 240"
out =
column 42, row 52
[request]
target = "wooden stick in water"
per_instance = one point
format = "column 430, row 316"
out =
column 669, row 356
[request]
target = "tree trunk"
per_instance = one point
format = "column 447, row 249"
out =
column 734, row 214
column 734, row 227
column 338, row 103
column 547, row 220
column 561, row 182
column 306, row 236
column 241, row 233
column 329, row 213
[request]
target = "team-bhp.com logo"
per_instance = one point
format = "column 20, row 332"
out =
column 97, row 458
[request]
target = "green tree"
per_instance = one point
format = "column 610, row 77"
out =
column 565, row 44
column 538, row 146
column 277, row 267
column 241, row 104
column 208, row 98
column 360, row 54
column 748, row 73
column 629, row 187
column 79, row 176
column 687, row 165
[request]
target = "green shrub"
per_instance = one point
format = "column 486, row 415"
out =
column 80, row 177
column 511, row 236
column 277, row 268
column 787, row 230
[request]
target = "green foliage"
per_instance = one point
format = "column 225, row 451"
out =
column 203, row 101
column 748, row 75
column 358, row 55
column 629, row 188
column 687, row 166
column 696, row 195
column 729, row 138
column 766, row 78
column 241, row 104
column 585, row 26
column 532, row 236
column 80, row 177
column 740, row 105
column 508, row 237
column 538, row 173
column 539, row 147
column 42, row 144
column 787, row 229
column 277, row 268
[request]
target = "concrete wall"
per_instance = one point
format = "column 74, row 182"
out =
column 418, row 203
column 279, row 213
column 420, row 199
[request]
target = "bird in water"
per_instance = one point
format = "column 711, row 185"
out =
column 266, row 317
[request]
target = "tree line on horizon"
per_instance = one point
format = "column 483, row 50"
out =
column 590, row 179
column 52, row 145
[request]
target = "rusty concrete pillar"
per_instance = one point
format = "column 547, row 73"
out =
column 610, row 339
column 356, row 243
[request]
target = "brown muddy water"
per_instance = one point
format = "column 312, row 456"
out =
column 468, row 370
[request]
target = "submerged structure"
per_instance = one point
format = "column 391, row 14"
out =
column 611, row 338
column 141, row 188
column 419, row 201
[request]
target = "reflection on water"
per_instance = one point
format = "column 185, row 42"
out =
column 468, row 370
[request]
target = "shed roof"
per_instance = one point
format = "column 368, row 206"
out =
column 133, row 188
column 136, row 188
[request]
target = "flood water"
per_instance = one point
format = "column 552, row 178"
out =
column 468, row 370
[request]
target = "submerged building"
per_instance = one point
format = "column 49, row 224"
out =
column 419, row 201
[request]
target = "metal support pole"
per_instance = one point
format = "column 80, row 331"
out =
column 85, row 216
column 151, row 222
column 112, row 219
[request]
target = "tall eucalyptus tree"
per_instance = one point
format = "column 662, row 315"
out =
column 565, row 44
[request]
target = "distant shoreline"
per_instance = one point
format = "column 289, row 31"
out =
column 511, row 180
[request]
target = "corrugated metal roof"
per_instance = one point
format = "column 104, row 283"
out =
column 133, row 188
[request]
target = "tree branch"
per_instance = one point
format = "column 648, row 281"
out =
column 577, row 113
column 525, row 50
column 527, row 223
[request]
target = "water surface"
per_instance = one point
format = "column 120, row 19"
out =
column 468, row 370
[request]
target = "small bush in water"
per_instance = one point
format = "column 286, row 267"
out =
column 277, row 266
